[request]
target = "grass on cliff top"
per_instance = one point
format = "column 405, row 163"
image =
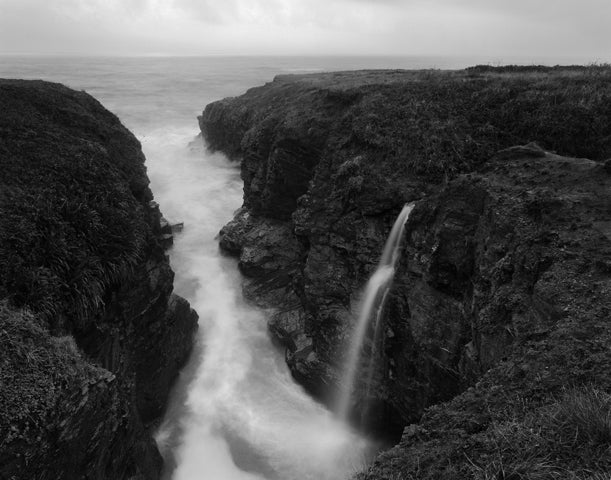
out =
column 396, row 126
column 571, row 438
column 72, row 224
column 443, row 123
column 36, row 370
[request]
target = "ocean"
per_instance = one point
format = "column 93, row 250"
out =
column 236, row 412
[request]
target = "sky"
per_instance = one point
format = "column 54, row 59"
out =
column 545, row 28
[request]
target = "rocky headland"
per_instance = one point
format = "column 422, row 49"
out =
column 497, row 327
column 91, row 335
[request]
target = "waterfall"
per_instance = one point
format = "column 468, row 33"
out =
column 370, row 311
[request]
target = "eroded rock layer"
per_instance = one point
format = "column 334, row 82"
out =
column 92, row 336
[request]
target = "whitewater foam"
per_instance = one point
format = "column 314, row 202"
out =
column 243, row 416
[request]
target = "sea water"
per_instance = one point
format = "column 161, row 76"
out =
column 235, row 413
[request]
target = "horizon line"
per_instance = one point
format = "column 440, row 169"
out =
column 493, row 58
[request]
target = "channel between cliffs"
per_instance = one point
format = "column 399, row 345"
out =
column 502, row 292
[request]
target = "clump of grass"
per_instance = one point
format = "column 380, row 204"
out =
column 584, row 415
column 594, row 67
column 530, row 468
column 570, row 438
column 36, row 371
column 596, row 476
column 519, row 454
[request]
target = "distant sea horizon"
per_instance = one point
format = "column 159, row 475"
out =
column 501, row 59
column 133, row 87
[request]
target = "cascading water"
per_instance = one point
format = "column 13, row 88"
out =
column 371, row 309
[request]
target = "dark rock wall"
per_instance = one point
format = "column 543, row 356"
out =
column 505, row 286
column 361, row 144
column 92, row 335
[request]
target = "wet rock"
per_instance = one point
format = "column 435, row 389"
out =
column 165, row 227
column 167, row 231
column 267, row 249
column 166, row 240
column 177, row 227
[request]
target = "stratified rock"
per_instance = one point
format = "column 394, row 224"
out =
column 92, row 336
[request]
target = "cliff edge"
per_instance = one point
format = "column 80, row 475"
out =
column 502, row 295
column 91, row 334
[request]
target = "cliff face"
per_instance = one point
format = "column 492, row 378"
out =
column 505, row 285
column 92, row 335
column 328, row 161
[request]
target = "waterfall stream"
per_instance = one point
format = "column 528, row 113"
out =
column 370, row 311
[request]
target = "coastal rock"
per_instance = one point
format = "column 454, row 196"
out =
column 92, row 335
column 519, row 269
column 335, row 156
column 63, row 416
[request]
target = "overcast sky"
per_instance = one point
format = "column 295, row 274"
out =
column 577, row 28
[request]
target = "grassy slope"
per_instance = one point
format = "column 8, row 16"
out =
column 439, row 123
column 436, row 121
column 73, row 224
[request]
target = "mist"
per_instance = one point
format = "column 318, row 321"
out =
column 310, row 27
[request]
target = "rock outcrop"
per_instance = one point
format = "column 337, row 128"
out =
column 328, row 160
column 505, row 290
column 91, row 334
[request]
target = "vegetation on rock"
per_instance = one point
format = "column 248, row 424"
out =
column 73, row 225
column 91, row 335
column 521, row 275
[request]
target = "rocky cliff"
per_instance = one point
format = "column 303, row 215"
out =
column 501, row 294
column 505, row 288
column 91, row 334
